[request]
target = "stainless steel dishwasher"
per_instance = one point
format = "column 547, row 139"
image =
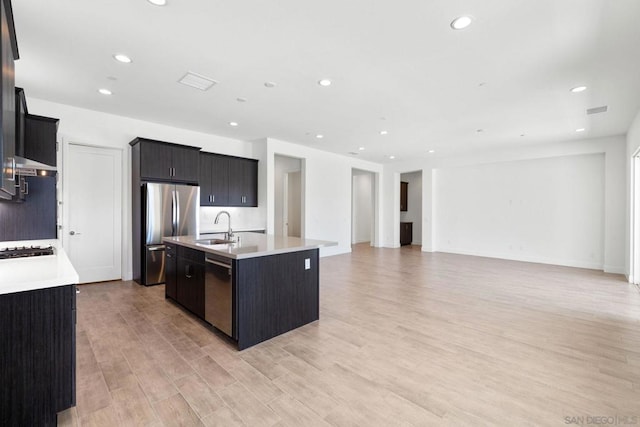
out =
column 218, row 295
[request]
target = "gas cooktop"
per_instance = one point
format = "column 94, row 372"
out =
column 25, row 251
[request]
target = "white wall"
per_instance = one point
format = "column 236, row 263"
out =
column 613, row 148
column 414, row 204
column 327, row 201
column 543, row 210
column 362, row 207
column 89, row 127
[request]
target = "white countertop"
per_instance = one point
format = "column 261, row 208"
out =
column 27, row 274
column 251, row 245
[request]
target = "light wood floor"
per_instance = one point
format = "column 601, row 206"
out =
column 404, row 338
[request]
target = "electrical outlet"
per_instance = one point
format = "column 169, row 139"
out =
column 307, row 263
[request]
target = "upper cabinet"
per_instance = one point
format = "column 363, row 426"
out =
column 8, row 54
column 228, row 181
column 40, row 139
column 243, row 182
column 404, row 196
column 162, row 161
column 214, row 180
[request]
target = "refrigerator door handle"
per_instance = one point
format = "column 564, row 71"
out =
column 174, row 220
column 177, row 205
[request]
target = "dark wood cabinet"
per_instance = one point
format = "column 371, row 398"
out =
column 8, row 54
column 38, row 346
column 214, row 180
column 40, row 135
column 190, row 280
column 171, row 271
column 243, row 182
column 163, row 161
column 404, row 196
column 21, row 112
column 35, row 218
column 406, row 233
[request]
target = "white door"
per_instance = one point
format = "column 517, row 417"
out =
column 92, row 212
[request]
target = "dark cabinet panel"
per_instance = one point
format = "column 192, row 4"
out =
column 190, row 280
column 38, row 355
column 155, row 160
column 406, row 233
column 186, row 165
column 404, row 196
column 35, row 218
column 163, row 161
column 170, row 271
column 275, row 294
column 8, row 53
column 243, row 182
column 21, row 111
column 214, row 180
column 40, row 139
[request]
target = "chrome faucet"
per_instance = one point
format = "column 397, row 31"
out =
column 229, row 233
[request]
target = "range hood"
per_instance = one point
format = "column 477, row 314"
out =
column 27, row 167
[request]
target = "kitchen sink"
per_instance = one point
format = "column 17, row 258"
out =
column 214, row 241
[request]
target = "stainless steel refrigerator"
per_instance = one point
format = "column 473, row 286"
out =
column 169, row 210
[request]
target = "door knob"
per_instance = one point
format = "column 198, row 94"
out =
column 73, row 233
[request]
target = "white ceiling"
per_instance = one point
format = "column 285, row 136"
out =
column 395, row 66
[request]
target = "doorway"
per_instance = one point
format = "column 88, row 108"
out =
column 92, row 211
column 634, row 231
column 363, row 207
column 289, row 196
column 411, row 208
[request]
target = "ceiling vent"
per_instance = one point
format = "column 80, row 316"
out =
column 197, row 80
column 597, row 110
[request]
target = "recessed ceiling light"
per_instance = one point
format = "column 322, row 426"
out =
column 122, row 58
column 158, row 2
column 234, row 124
column 461, row 22
column 324, row 82
column 432, row 151
column 319, row 136
column 383, row 132
column 578, row 89
column 269, row 84
column 580, row 130
column 241, row 99
column 105, row 91
column 361, row 148
column 392, row 157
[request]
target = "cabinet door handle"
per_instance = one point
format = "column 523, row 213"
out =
column 213, row 198
column 210, row 198
column 13, row 169
column 187, row 271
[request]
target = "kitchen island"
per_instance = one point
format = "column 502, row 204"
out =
column 252, row 289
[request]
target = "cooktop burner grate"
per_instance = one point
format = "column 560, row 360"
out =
column 25, row 251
